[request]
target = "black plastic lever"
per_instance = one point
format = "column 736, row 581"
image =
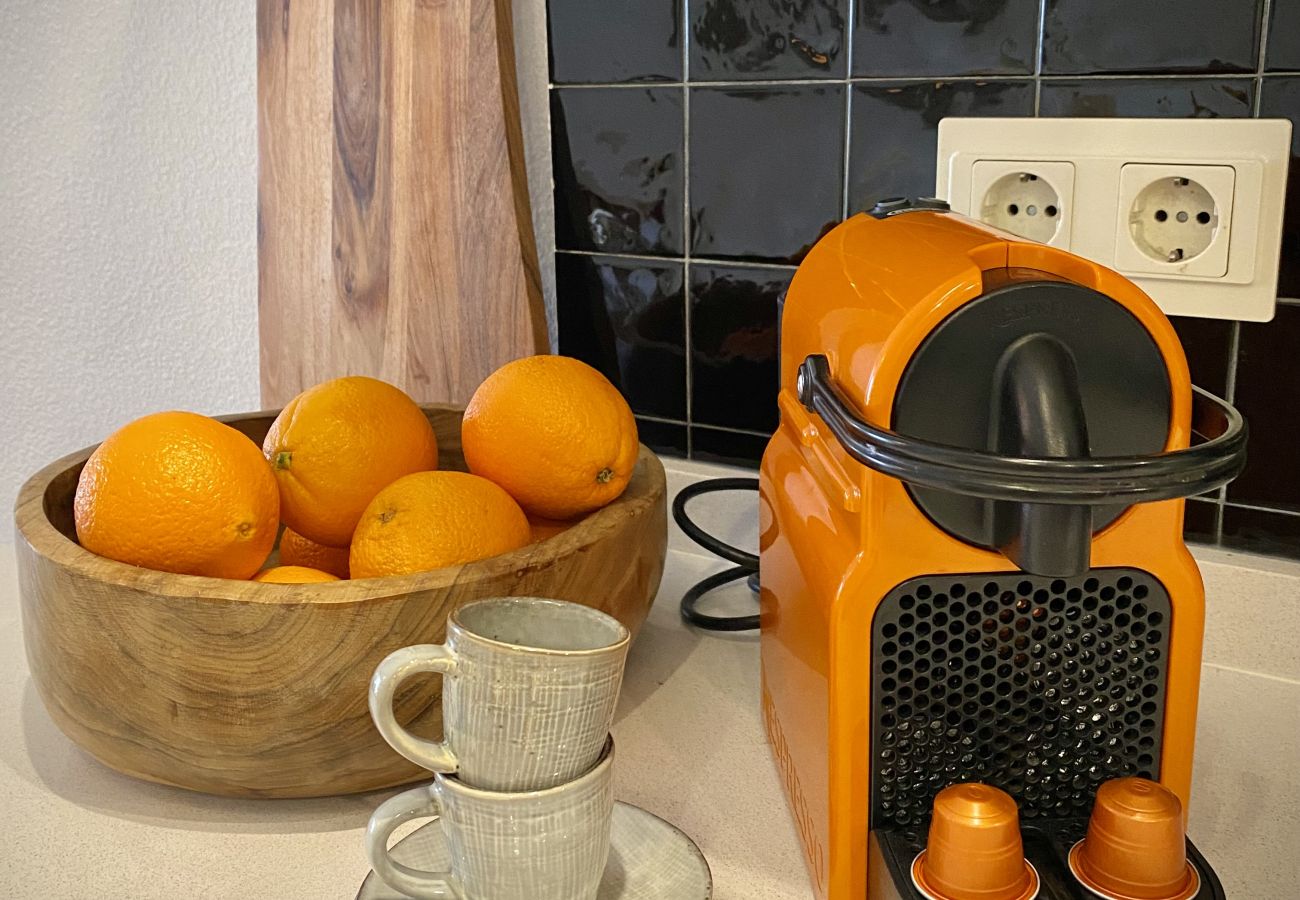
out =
column 1038, row 412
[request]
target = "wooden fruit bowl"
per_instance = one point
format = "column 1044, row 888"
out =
column 259, row 690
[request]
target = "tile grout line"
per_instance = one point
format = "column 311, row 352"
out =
column 1038, row 57
column 848, row 107
column 687, row 230
column 1230, row 394
column 703, row 260
column 1266, row 509
column 1265, row 13
column 729, row 429
column 1249, row 74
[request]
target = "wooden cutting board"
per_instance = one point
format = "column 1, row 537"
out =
column 394, row 230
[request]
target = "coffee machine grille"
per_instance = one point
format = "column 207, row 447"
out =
column 1043, row 687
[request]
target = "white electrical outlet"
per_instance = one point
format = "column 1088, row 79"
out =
column 1035, row 204
column 1189, row 209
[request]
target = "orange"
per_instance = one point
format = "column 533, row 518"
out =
column 293, row 575
column 554, row 433
column 179, row 492
column 430, row 520
column 336, row 445
column 296, row 550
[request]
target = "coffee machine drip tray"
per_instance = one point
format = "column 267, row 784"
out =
column 1047, row 842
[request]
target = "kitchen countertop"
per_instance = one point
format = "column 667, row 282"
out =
column 691, row 749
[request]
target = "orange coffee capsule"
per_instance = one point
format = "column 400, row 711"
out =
column 1136, row 848
column 974, row 851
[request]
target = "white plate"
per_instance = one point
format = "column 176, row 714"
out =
column 649, row 859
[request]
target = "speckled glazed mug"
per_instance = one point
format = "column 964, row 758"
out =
column 551, row 844
column 528, row 695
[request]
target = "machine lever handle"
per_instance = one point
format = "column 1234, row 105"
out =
column 1083, row 480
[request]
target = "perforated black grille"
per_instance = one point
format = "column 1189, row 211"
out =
column 1043, row 687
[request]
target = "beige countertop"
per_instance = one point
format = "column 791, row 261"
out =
column 691, row 749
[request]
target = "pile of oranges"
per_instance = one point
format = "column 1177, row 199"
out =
column 350, row 467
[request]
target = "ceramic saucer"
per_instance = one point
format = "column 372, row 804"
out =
column 649, row 859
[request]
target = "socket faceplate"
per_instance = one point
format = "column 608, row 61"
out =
column 1234, row 276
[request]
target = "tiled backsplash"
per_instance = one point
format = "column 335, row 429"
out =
column 702, row 146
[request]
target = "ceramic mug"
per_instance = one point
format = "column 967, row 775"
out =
column 528, row 695
column 550, row 844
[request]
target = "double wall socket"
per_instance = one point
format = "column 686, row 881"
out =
column 1189, row 209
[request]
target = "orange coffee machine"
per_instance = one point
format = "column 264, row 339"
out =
column 972, row 563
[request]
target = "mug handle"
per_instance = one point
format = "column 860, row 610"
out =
column 413, row 804
column 396, row 668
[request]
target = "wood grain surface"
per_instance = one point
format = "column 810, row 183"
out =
column 394, row 230
column 248, row 689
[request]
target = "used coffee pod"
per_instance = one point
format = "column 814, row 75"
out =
column 974, row 851
column 1136, row 848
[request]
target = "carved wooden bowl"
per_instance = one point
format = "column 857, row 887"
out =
column 259, row 690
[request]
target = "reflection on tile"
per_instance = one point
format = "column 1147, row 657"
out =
column 1207, row 343
column 1201, row 521
column 730, row 447
column 1268, row 395
column 1284, row 36
column 628, row 319
column 766, row 169
column 921, row 38
column 1138, row 97
column 610, row 41
column 895, row 131
column 1281, row 97
column 741, row 39
column 734, row 373
column 664, row 438
column 617, row 155
column 1261, row 531
column 1081, row 36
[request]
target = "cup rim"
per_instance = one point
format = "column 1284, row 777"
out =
column 624, row 636
column 453, row 782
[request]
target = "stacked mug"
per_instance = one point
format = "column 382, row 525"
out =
column 523, row 782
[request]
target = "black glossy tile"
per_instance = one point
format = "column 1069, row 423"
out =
column 770, row 39
column 1083, row 36
column 1281, row 98
column 1201, row 521
column 1268, row 395
column 664, row 438
column 1139, row 97
column 734, row 372
column 611, row 41
column 1283, row 52
column 928, row 39
column 618, row 162
column 730, row 447
column 628, row 319
column 766, row 169
column 1261, row 531
column 895, row 131
column 1207, row 343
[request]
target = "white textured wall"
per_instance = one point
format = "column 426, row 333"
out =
column 128, row 214
column 128, row 219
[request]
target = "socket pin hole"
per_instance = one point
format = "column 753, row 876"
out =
column 1203, row 217
column 1013, row 209
column 1181, row 217
column 1161, row 215
column 1051, row 211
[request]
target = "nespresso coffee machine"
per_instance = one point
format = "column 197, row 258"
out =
column 973, row 569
